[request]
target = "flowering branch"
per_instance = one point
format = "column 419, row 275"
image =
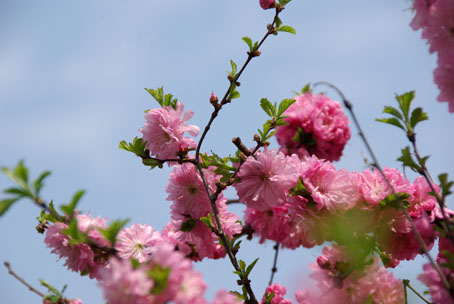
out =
column 377, row 165
column 407, row 284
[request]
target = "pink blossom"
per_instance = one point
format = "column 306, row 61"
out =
column 329, row 188
column 78, row 257
column 438, row 293
column 164, row 129
column 273, row 224
column 444, row 76
column 136, row 241
column 439, row 30
column 187, row 191
column 316, row 125
column 422, row 201
column 124, row 285
column 266, row 4
column 266, row 179
column 225, row 297
column 279, row 293
column 422, row 8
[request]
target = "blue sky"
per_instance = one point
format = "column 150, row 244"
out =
column 72, row 79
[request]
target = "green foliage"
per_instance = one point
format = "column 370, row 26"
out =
column 20, row 176
column 71, row 206
column 222, row 165
column 398, row 201
column 188, row 225
column 269, row 297
column 160, row 277
column 208, row 220
column 53, row 296
column 245, row 271
column 276, row 113
column 445, row 185
column 138, row 147
column 287, row 29
column 163, row 100
column 74, row 234
column 284, row 2
column 111, row 232
column 401, row 117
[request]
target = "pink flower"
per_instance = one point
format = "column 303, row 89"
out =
column 136, row 241
column 279, row 293
column 422, row 8
column 187, row 191
column 78, row 257
column 266, row 4
column 266, row 179
column 164, row 129
column 422, row 201
column 438, row 292
column 316, row 125
column 124, row 285
column 225, row 297
column 439, row 30
column 329, row 188
column 444, row 76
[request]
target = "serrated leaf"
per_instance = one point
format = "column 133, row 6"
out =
column 404, row 101
column 157, row 94
column 393, row 111
column 407, row 159
column 111, row 232
column 445, row 184
column 248, row 42
column 307, row 88
column 287, row 29
column 71, row 206
column 278, row 22
column 391, row 121
column 242, row 265
column 250, row 267
column 6, row 204
column 417, row 116
column 423, row 160
column 234, row 68
column 38, row 183
column 284, row 105
column 268, row 107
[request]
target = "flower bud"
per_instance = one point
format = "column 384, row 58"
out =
column 266, row 4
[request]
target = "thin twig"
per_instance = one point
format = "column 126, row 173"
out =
column 376, row 164
column 274, row 268
column 407, row 284
column 213, row 197
column 30, row 287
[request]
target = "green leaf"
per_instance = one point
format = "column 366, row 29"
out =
column 284, row 106
column 111, row 232
column 417, row 116
column 157, row 94
column 207, row 220
column 404, row 101
column 20, row 192
column 38, row 183
column 286, row 28
column 278, row 22
column 160, row 277
column 284, row 2
column 234, row 94
column 152, row 163
column 248, row 42
column 268, row 107
column 138, row 146
column 307, row 88
column 234, row 68
column 71, row 206
column 391, row 121
column 5, row 204
column 407, row 159
column 445, row 184
column 18, row 175
column 242, row 265
column 393, row 111
column 76, row 236
column 250, row 267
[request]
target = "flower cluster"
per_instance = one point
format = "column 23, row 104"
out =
column 436, row 19
column 342, row 278
column 316, row 125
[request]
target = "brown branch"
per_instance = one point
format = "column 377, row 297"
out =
column 30, row 287
column 274, row 268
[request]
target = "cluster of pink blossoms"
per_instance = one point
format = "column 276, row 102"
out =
column 436, row 19
column 340, row 281
column 316, row 125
